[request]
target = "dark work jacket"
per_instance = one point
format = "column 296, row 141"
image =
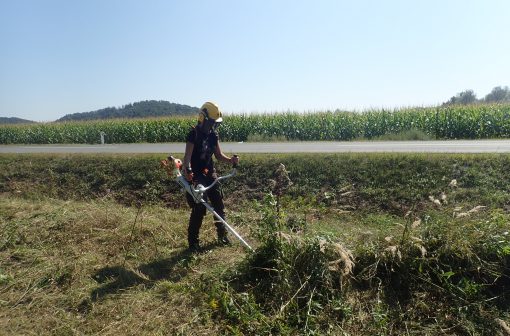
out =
column 204, row 147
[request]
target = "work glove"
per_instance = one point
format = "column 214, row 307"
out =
column 188, row 174
column 235, row 161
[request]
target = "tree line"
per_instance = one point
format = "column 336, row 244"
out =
column 497, row 95
column 142, row 109
column 14, row 120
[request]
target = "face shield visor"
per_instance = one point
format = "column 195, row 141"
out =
column 211, row 124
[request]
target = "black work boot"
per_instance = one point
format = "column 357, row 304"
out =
column 222, row 234
column 194, row 247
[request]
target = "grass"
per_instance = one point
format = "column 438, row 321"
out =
column 266, row 138
column 407, row 135
column 100, row 267
column 389, row 182
column 97, row 245
column 430, row 275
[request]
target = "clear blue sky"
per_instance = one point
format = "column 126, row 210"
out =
column 64, row 56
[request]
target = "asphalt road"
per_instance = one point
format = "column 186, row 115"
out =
column 451, row 146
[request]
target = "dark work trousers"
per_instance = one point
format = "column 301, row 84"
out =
column 214, row 197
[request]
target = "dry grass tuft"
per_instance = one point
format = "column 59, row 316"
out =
column 343, row 260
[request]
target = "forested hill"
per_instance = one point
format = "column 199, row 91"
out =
column 143, row 109
column 4, row 120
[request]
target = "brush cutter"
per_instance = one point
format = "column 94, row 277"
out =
column 173, row 168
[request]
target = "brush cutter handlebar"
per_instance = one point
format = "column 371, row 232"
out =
column 198, row 191
column 235, row 164
column 204, row 189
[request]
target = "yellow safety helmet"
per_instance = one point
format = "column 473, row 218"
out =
column 210, row 111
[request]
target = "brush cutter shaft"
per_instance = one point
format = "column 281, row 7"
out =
column 188, row 187
column 228, row 227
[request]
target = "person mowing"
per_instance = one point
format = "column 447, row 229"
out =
column 201, row 143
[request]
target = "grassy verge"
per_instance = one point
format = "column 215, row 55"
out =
column 407, row 135
column 389, row 182
column 357, row 245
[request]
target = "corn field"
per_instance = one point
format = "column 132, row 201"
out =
column 453, row 122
